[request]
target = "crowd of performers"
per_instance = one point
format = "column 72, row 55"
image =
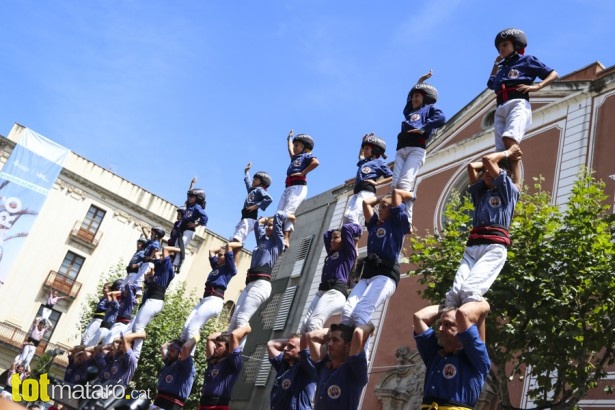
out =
column 319, row 367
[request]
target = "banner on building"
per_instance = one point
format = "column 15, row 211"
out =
column 25, row 181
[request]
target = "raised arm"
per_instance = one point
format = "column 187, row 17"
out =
column 368, row 207
column 289, row 142
column 275, row 347
column 472, row 313
column 360, row 337
column 192, row 182
column 211, row 344
column 314, row 340
column 188, row 346
column 127, row 339
column 425, row 76
column 473, row 170
column 237, row 335
column 399, row 195
column 490, row 161
column 424, row 318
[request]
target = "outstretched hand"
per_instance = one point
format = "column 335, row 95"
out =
column 248, row 167
column 425, row 76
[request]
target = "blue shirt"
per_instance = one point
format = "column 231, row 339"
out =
column 338, row 264
column 460, row 376
column 127, row 302
column 77, row 374
column 494, row 206
column 518, row 69
column 385, row 238
column 221, row 275
column 177, row 378
column 299, row 162
column 164, row 272
column 152, row 246
column 339, row 388
column 221, row 377
column 111, row 311
column 370, row 168
column 193, row 213
column 427, row 118
column 256, row 195
column 294, row 386
column 119, row 368
column 268, row 248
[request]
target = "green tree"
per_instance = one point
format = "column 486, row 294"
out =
column 552, row 305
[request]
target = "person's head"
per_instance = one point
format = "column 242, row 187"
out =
column 422, row 94
column 117, row 284
column 107, row 288
column 261, row 179
column 180, row 212
column 221, row 346
column 20, row 368
column 196, row 196
column 384, row 207
column 157, row 232
column 141, row 244
column 302, row 143
column 117, row 346
column 41, row 324
column 292, row 348
column 80, row 357
column 336, row 240
column 173, row 350
column 509, row 41
column 488, row 178
column 339, row 339
column 446, row 332
column 269, row 228
column 374, row 147
column 221, row 255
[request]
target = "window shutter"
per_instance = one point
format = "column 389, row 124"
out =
column 263, row 371
column 304, row 249
column 285, row 305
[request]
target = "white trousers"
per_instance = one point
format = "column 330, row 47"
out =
column 250, row 299
column 90, row 331
column 324, row 305
column 480, row 266
column 243, row 229
column 365, row 298
column 354, row 209
column 290, row 200
column 114, row 332
column 146, row 313
column 511, row 120
column 208, row 307
column 99, row 336
column 27, row 353
column 408, row 162
column 186, row 238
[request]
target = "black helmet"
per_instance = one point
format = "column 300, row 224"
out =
column 117, row 284
column 306, row 140
column 158, row 231
column 142, row 241
column 517, row 36
column 264, row 177
column 430, row 94
column 200, row 196
column 181, row 209
column 379, row 146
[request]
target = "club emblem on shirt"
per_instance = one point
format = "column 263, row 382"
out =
column 381, row 232
column 188, row 213
column 335, row 255
column 334, row 391
column 113, row 370
column 366, row 170
column 513, row 73
column 415, row 117
column 251, row 197
column 168, row 379
column 286, row 384
column 449, row 371
column 297, row 162
column 495, row 202
column 77, row 378
column 214, row 372
column 106, row 375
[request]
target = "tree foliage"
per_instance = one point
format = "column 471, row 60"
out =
column 553, row 310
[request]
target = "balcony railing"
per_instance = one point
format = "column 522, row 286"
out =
column 63, row 284
column 14, row 336
column 85, row 236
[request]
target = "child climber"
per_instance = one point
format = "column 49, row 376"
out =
column 422, row 117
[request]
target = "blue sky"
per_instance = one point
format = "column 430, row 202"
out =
column 161, row 91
